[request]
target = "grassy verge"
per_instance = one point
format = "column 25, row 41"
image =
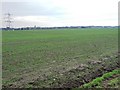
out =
column 114, row 82
column 97, row 82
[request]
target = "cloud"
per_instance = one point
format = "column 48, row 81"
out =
column 30, row 8
column 62, row 12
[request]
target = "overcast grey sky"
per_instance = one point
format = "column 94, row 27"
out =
column 61, row 12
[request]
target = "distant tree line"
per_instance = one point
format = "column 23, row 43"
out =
column 38, row 28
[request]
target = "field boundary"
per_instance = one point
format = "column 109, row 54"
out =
column 92, row 74
column 98, row 80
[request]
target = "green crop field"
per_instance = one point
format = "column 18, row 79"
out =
column 56, row 58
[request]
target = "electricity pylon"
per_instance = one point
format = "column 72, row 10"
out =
column 8, row 21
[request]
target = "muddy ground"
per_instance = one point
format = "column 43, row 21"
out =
column 81, row 74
